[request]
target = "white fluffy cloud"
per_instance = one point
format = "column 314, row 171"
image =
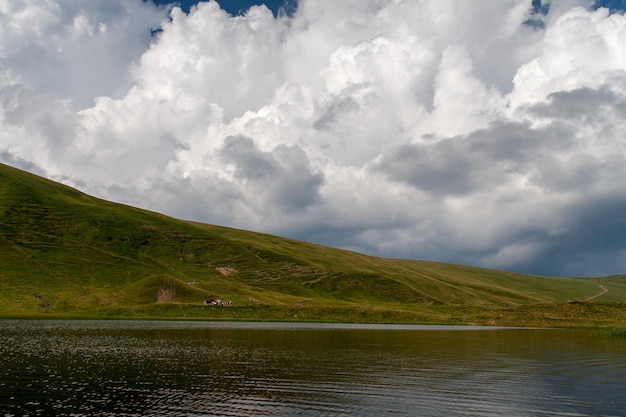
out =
column 486, row 133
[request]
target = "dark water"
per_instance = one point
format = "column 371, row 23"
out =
column 107, row 368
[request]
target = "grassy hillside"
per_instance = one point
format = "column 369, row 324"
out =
column 63, row 253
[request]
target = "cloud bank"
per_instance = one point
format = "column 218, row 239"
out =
column 483, row 133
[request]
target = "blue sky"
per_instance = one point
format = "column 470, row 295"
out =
column 480, row 132
column 236, row 7
column 615, row 5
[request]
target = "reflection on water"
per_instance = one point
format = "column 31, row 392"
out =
column 252, row 369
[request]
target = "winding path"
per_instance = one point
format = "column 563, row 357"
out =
column 604, row 291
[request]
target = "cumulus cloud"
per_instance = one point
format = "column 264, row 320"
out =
column 75, row 49
column 486, row 133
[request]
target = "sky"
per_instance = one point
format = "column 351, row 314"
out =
column 478, row 133
column 237, row 7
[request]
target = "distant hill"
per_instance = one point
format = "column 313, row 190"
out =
column 66, row 254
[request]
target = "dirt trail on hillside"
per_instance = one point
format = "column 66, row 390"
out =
column 604, row 291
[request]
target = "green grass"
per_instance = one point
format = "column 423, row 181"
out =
column 66, row 254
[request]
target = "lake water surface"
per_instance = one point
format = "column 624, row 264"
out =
column 139, row 368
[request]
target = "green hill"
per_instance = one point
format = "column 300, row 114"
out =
column 66, row 254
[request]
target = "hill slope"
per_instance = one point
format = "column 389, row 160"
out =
column 64, row 253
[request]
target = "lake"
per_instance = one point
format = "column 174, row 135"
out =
column 140, row 368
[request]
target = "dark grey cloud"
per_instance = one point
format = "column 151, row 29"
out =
column 592, row 242
column 480, row 161
column 7, row 157
column 284, row 175
column 332, row 111
column 250, row 162
column 582, row 104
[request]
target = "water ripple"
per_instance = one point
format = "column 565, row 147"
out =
column 106, row 369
